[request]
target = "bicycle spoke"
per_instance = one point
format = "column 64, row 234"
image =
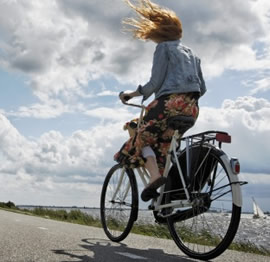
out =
column 209, row 231
column 118, row 203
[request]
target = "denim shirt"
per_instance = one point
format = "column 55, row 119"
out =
column 175, row 70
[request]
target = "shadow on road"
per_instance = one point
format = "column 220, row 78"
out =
column 104, row 250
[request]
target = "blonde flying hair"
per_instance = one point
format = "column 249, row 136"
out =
column 154, row 22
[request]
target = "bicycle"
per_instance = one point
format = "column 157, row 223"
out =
column 202, row 182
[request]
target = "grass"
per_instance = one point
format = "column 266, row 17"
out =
column 248, row 247
column 154, row 230
column 74, row 216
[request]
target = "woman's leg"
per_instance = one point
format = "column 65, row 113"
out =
column 152, row 167
column 156, row 180
column 151, row 163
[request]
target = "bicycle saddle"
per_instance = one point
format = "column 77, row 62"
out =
column 181, row 123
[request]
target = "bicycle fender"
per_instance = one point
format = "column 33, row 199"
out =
column 236, row 188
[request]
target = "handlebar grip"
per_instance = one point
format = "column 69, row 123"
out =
column 126, row 97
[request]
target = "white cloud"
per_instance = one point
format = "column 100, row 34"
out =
column 108, row 93
column 14, row 147
column 52, row 109
column 61, row 45
column 105, row 113
column 261, row 85
column 256, row 178
column 81, row 160
column 72, row 168
column 247, row 119
column 84, row 153
column 25, row 189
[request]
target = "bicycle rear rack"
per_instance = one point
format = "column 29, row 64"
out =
column 209, row 136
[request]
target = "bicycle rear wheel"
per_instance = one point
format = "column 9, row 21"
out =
column 119, row 203
column 206, row 229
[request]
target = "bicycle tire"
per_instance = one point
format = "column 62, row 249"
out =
column 204, row 231
column 119, row 212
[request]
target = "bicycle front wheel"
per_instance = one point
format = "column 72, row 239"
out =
column 119, row 203
column 206, row 229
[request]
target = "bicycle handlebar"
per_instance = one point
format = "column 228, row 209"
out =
column 126, row 98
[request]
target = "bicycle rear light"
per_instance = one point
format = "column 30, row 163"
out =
column 235, row 164
column 223, row 137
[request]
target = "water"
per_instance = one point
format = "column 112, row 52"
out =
column 255, row 231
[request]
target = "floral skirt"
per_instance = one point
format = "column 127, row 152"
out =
column 154, row 131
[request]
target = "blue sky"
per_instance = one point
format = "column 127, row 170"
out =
column 63, row 63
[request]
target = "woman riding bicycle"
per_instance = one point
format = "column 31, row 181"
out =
column 177, row 83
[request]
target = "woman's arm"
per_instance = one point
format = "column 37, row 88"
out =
column 159, row 70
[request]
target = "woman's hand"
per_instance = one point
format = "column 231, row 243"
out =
column 124, row 97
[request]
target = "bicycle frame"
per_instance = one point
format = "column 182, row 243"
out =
column 145, row 176
column 156, row 205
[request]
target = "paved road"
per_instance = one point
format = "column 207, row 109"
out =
column 34, row 239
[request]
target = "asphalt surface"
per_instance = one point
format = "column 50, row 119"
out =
column 33, row 239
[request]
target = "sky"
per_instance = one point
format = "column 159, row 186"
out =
column 63, row 64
